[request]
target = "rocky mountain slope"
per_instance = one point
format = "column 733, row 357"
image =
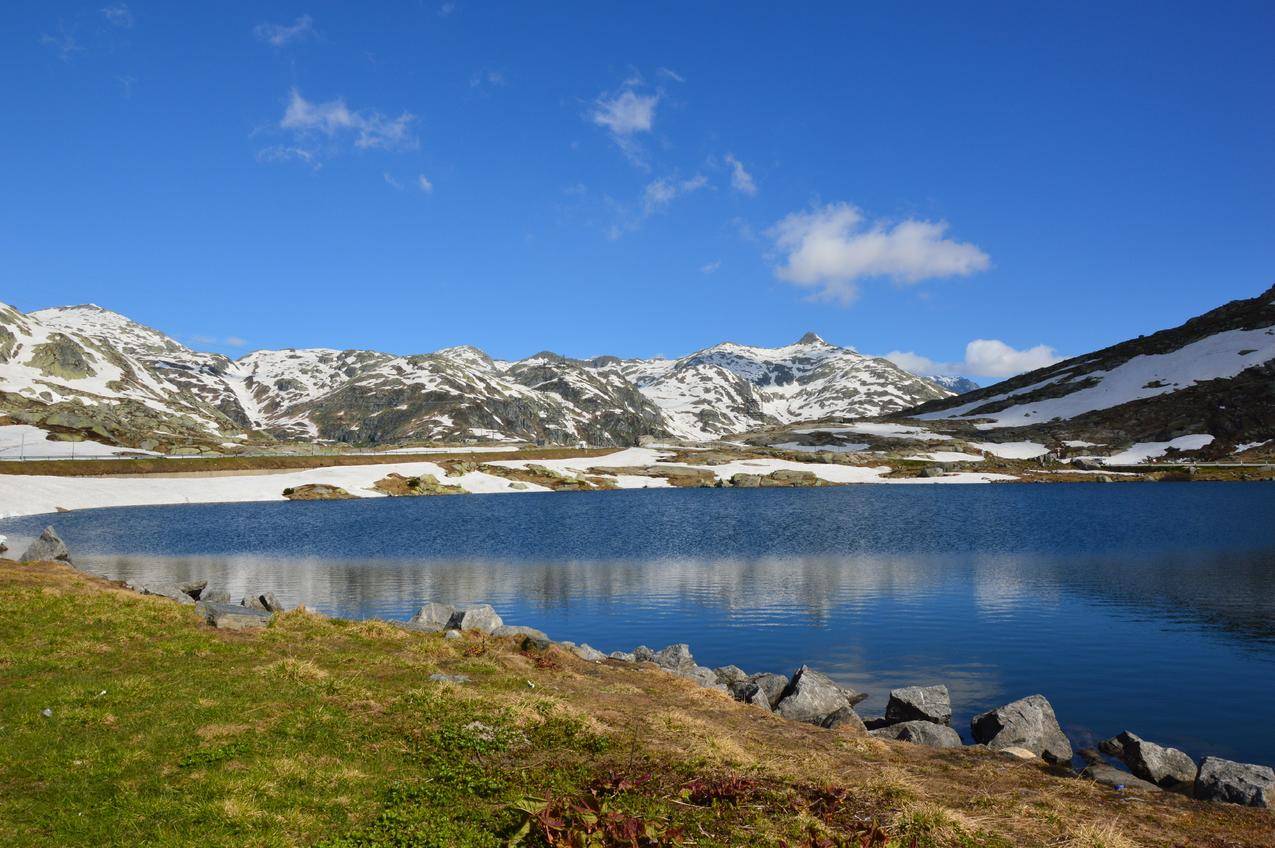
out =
column 83, row 371
column 1213, row 376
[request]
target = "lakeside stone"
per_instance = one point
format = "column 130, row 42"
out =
column 49, row 547
column 1028, row 723
column 622, row 656
column 929, row 733
column 1167, row 768
column 844, row 717
column 1109, row 775
column 1235, row 783
column 231, row 616
column 674, row 657
column 172, row 591
column 730, row 675
column 265, row 602
column 194, row 588
column 432, row 617
column 811, row 697
column 215, row 596
column 521, row 630
column 588, row 653
column 919, row 703
column 480, row 617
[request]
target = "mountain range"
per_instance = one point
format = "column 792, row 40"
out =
column 87, row 370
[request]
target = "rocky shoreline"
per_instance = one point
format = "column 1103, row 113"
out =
column 1026, row 728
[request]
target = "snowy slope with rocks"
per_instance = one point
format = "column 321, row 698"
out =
column 87, row 372
column 1213, row 375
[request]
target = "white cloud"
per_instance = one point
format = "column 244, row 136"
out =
column 983, row 358
column 390, row 181
column 625, row 115
column 710, row 267
column 740, row 179
column 424, row 184
column 63, row 44
column 490, row 79
column 235, row 341
column 660, row 193
column 831, row 248
column 671, row 74
column 321, row 128
column 283, row 34
column 118, row 14
column 229, row 341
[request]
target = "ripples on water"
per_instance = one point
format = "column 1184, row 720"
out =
column 1144, row 607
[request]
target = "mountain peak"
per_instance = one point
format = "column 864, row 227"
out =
column 811, row 338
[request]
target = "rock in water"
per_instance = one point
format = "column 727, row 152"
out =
column 265, row 603
column 920, row 703
column 432, row 616
column 232, row 616
column 480, row 617
column 1167, row 768
column 811, row 697
column 1235, row 783
column 48, row 548
column 194, row 588
column 921, row 733
column 1028, row 723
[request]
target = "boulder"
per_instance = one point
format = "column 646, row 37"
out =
column 520, row 630
column 215, row 596
column 265, row 603
column 1235, row 783
column 49, row 547
column 643, row 654
column 1167, row 768
column 1027, row 723
column 784, row 477
column 622, row 656
column 761, row 689
column 811, row 697
column 232, row 616
column 844, row 717
column 451, row 635
column 1019, row 753
column 931, row 471
column 730, row 675
column 1085, row 463
column 675, row 657
column 745, row 481
column 194, row 588
column 920, row 703
column 1109, row 775
column 480, row 617
column 529, row 643
column 172, row 591
column 588, row 653
column 432, row 616
column 927, row 733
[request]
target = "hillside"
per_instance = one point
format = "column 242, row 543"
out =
column 1209, row 383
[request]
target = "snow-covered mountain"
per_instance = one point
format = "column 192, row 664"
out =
column 86, row 370
column 1213, row 375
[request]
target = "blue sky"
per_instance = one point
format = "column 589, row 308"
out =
column 640, row 179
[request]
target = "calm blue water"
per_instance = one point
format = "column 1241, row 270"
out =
column 1141, row 607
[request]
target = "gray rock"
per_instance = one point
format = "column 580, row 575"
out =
column 931, row 471
column 449, row 678
column 927, row 733
column 431, row 617
column 772, row 686
column 232, row 617
column 876, row 722
column 745, row 481
column 172, row 591
column 265, row 602
column 702, row 675
column 1235, row 783
column 480, row 617
column 811, row 697
column 753, row 694
column 920, row 703
column 215, row 596
column 194, row 588
column 520, row 630
column 588, row 653
column 1028, row 723
column 452, row 635
column 844, row 717
column 675, row 657
column 1109, row 775
column 643, row 654
column 1167, row 768
column 1086, row 464
column 729, row 675
column 49, row 547
column 623, row 656
column 46, row 712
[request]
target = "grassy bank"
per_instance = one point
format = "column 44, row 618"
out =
column 317, row 732
column 165, row 465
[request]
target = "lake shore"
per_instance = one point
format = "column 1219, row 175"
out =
column 326, row 731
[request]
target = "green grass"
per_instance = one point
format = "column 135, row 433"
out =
column 318, row 732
